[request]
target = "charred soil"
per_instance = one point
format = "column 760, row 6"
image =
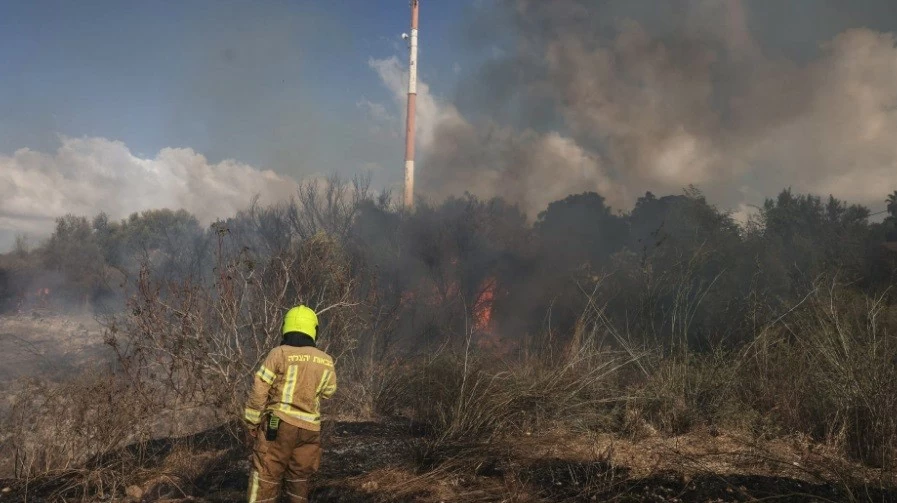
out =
column 384, row 461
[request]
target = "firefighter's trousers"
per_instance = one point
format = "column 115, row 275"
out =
column 292, row 458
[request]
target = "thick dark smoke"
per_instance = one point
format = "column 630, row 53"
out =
column 626, row 97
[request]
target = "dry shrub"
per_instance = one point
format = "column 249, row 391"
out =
column 186, row 352
column 94, row 436
column 68, row 432
column 825, row 368
column 194, row 346
column 686, row 391
column 829, row 371
column 466, row 401
column 368, row 390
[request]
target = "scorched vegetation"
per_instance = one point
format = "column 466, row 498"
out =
column 668, row 353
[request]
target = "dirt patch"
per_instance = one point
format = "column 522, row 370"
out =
column 355, row 448
column 673, row 488
column 559, row 479
column 49, row 346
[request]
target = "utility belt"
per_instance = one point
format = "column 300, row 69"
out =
column 270, row 423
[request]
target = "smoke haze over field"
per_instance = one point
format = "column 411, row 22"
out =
column 524, row 99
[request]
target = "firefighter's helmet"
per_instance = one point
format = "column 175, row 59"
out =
column 301, row 319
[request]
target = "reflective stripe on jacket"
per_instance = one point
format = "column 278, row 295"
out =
column 290, row 383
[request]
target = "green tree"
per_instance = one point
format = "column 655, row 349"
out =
column 682, row 273
column 682, row 221
column 108, row 235
column 73, row 251
column 807, row 237
column 887, row 230
column 892, row 205
column 580, row 230
column 172, row 241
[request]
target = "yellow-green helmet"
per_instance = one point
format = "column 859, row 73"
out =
column 301, row 319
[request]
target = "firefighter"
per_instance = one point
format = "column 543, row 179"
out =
column 283, row 411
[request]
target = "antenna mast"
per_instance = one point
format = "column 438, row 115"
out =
column 412, row 102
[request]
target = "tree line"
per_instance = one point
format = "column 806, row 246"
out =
column 678, row 268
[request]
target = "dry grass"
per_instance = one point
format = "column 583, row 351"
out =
column 809, row 401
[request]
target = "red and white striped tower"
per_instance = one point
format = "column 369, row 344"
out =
column 412, row 102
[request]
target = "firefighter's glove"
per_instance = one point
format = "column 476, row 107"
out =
column 250, row 435
column 251, row 429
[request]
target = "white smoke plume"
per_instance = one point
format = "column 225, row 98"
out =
column 644, row 103
column 825, row 127
column 528, row 168
column 88, row 175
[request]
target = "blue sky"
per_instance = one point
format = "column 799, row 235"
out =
column 273, row 84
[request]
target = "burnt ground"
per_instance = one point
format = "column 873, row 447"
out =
column 391, row 461
column 47, row 345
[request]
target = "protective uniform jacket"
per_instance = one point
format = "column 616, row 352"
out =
column 290, row 383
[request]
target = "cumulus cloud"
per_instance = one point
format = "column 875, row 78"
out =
column 88, row 175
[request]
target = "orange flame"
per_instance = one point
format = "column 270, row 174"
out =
column 482, row 309
column 482, row 312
